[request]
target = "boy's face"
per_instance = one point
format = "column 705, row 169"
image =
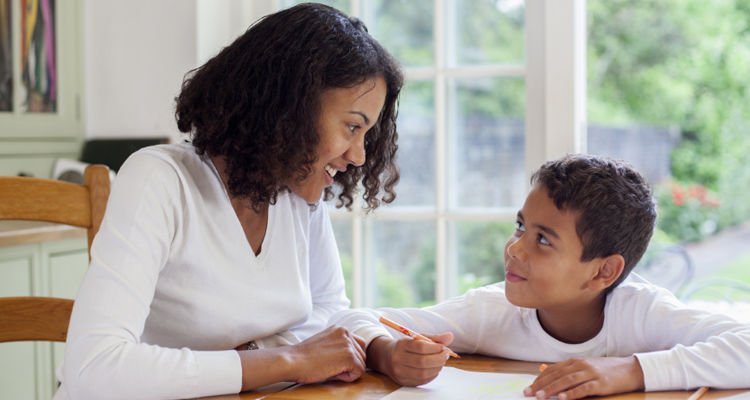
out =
column 543, row 267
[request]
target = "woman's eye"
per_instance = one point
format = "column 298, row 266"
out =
column 353, row 128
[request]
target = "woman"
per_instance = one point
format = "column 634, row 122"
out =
column 215, row 267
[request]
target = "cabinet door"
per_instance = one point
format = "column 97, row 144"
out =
column 18, row 268
column 67, row 263
column 56, row 269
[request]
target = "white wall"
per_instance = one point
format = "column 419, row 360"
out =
column 135, row 55
column 220, row 22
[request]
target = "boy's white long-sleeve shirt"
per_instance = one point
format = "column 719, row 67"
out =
column 678, row 347
column 174, row 286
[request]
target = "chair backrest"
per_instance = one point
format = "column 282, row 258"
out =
column 35, row 199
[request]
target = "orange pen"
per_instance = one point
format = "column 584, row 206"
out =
column 408, row 332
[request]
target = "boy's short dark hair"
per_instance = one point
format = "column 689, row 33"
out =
column 616, row 205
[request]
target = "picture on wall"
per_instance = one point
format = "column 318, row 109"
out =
column 6, row 57
column 38, row 56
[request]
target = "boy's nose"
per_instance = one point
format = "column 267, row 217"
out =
column 515, row 249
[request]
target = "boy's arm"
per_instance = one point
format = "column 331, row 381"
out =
column 671, row 347
column 457, row 322
column 408, row 362
column 581, row 378
column 463, row 316
column 692, row 348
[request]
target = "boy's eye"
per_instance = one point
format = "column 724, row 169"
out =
column 543, row 240
column 520, row 227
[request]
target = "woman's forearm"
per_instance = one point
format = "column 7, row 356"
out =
column 263, row 367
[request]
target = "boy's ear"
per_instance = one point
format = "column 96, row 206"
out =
column 610, row 269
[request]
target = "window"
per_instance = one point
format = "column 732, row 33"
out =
column 463, row 144
column 668, row 92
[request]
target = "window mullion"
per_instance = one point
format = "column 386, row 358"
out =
column 362, row 274
column 441, row 181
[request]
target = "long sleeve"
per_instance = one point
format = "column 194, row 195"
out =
column 174, row 286
column 463, row 316
column 327, row 287
column 701, row 348
column 678, row 347
column 104, row 356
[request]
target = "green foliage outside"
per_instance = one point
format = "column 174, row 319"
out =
column 727, row 284
column 480, row 247
column 738, row 271
column 408, row 286
column 481, row 253
column 347, row 266
column 684, row 63
column 687, row 212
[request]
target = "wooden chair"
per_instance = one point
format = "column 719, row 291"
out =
column 34, row 199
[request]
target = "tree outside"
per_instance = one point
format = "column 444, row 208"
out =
column 682, row 64
column 667, row 80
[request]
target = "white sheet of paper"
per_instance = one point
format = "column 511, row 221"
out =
column 454, row 383
column 743, row 396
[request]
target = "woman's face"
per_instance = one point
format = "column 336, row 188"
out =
column 347, row 114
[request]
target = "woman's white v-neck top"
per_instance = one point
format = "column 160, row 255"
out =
column 174, row 285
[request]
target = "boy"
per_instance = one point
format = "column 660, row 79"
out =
column 585, row 224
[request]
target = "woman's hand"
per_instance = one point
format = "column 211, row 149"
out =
column 407, row 361
column 577, row 378
column 331, row 354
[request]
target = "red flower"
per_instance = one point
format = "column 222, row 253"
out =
column 698, row 192
column 678, row 196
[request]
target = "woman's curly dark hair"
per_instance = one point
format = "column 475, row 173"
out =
column 257, row 103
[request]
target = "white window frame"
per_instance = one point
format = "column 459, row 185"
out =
column 555, row 77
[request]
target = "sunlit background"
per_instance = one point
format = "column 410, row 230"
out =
column 666, row 90
column 493, row 89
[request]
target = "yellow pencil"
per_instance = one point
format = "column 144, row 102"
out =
column 408, row 332
column 698, row 393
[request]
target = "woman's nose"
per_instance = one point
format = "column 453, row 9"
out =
column 356, row 153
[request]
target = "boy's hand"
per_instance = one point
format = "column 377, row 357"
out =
column 576, row 378
column 407, row 361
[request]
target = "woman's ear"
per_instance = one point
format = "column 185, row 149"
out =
column 610, row 269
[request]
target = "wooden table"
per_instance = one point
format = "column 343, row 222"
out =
column 375, row 386
column 13, row 233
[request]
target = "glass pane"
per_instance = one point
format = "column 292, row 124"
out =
column 6, row 57
column 486, row 142
column 39, row 57
column 665, row 93
column 404, row 27
column 488, row 31
column 416, row 145
column 479, row 254
column 342, row 229
column 403, row 253
column 626, row 143
column 342, row 5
